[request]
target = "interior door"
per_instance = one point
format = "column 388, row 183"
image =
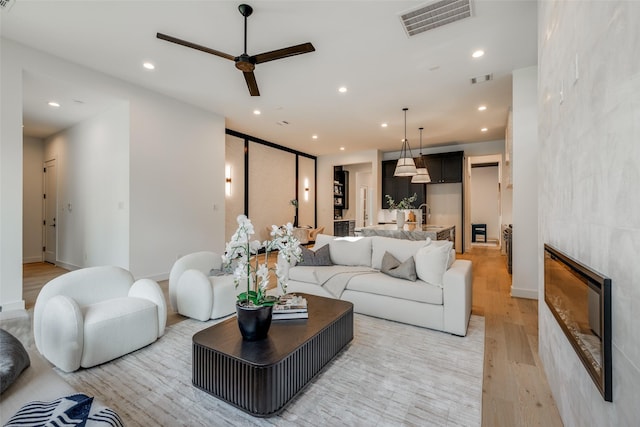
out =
column 50, row 211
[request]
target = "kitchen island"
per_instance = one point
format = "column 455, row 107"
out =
column 410, row 231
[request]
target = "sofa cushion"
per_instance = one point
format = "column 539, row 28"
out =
column 391, row 266
column 400, row 248
column 351, row 251
column 13, row 359
column 320, row 275
column 381, row 284
column 323, row 239
column 432, row 261
column 316, row 257
column 302, row 273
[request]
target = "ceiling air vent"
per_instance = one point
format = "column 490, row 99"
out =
column 481, row 79
column 434, row 15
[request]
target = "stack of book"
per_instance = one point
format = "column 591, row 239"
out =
column 290, row 307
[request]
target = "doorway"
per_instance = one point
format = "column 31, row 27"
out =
column 362, row 217
column 485, row 204
column 50, row 208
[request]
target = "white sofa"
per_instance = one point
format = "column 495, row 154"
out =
column 439, row 299
column 93, row 315
column 195, row 293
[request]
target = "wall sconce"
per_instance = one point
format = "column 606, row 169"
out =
column 306, row 189
column 227, row 180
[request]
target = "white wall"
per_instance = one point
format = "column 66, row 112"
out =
column 445, row 201
column 33, row 155
column 589, row 198
column 92, row 219
column 177, row 183
column 10, row 178
column 176, row 170
column 526, row 245
column 485, row 199
column 306, row 199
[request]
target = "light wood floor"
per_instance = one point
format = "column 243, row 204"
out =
column 515, row 388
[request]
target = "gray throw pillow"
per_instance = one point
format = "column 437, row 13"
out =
column 13, row 359
column 76, row 409
column 402, row 270
column 316, row 258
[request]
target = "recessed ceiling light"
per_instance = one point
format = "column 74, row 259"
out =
column 149, row 66
column 384, row 125
column 484, row 130
column 478, row 53
column 341, row 148
column 482, row 108
column 257, row 112
column 314, row 136
column 53, row 104
column 342, row 89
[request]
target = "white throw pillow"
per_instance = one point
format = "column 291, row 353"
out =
column 400, row 248
column 351, row 251
column 432, row 261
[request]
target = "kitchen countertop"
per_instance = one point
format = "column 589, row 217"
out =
column 410, row 231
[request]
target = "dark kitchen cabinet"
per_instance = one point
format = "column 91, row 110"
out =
column 399, row 187
column 445, row 167
column 344, row 228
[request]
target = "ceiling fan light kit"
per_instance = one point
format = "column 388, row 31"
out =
column 245, row 62
column 405, row 166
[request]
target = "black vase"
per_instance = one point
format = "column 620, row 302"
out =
column 254, row 322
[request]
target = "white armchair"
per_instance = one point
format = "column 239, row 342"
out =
column 96, row 314
column 196, row 294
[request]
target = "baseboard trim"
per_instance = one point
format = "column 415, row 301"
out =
column 31, row 259
column 524, row 293
column 12, row 306
column 66, row 266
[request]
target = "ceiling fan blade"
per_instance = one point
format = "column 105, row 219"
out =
column 250, row 78
column 284, row 53
column 194, row 46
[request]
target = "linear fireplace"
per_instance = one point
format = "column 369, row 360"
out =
column 580, row 300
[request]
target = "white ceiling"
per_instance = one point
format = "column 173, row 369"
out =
column 359, row 44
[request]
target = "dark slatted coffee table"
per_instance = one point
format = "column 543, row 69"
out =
column 261, row 377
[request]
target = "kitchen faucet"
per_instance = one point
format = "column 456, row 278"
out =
column 427, row 212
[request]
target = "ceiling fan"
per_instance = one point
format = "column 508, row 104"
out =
column 246, row 63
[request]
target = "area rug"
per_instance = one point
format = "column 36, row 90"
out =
column 390, row 374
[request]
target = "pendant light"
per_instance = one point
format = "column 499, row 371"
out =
column 422, row 177
column 406, row 165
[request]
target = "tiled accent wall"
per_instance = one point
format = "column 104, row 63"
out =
column 589, row 135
